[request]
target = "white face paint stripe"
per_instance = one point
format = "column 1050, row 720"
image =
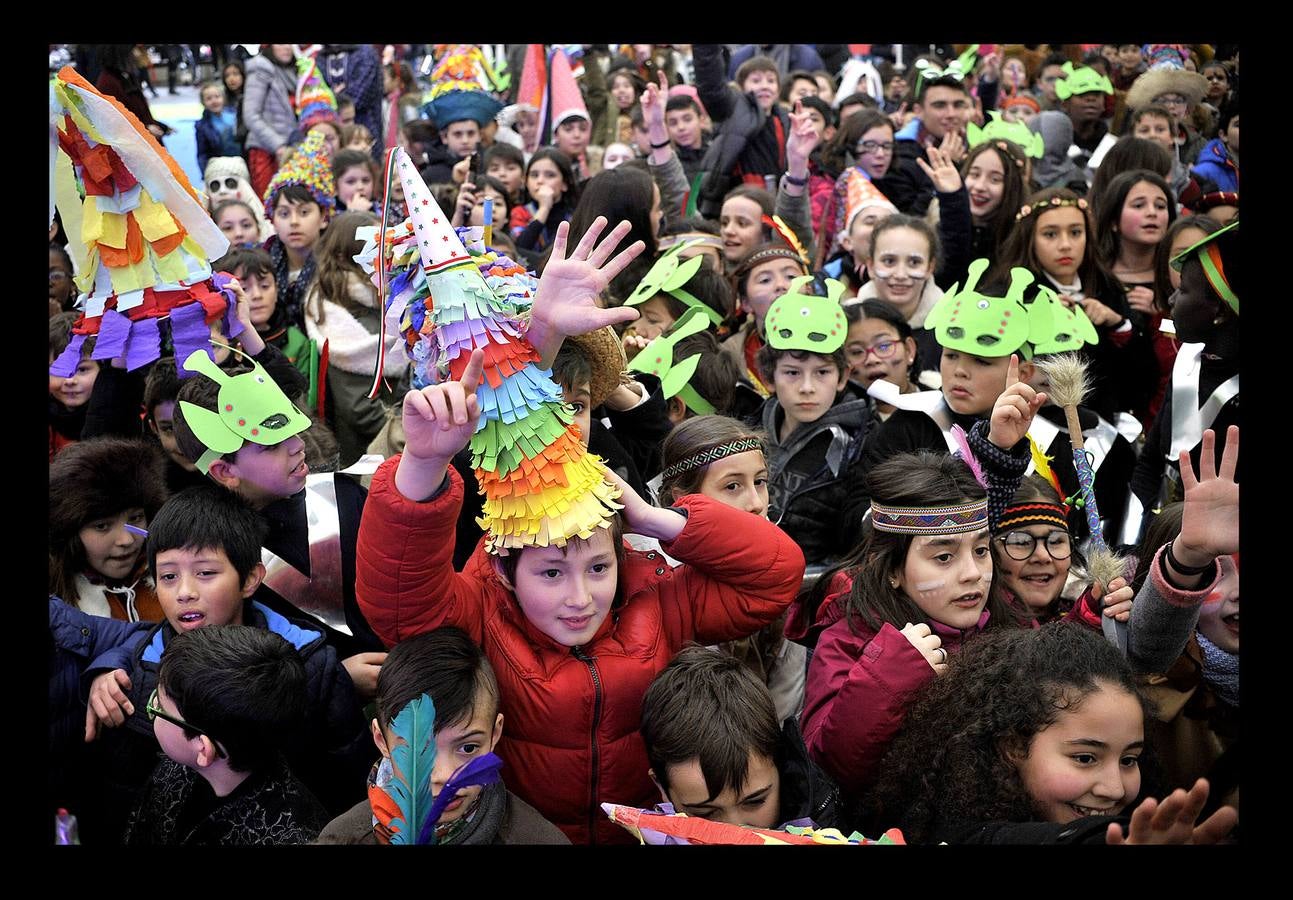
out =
column 927, row 586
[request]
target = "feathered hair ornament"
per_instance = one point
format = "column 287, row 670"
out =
column 968, row 457
column 777, row 224
column 1042, row 463
column 404, row 808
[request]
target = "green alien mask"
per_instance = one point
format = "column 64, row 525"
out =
column 797, row 321
column 1082, row 80
column 668, row 276
column 659, row 358
column 1066, row 329
column 251, row 407
column 971, row 322
column 1000, row 129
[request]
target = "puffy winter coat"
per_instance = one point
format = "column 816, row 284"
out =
column 1216, row 163
column 573, row 713
column 267, row 105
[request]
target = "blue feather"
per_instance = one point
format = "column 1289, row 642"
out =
column 413, row 756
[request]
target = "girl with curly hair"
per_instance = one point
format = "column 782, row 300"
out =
column 1033, row 736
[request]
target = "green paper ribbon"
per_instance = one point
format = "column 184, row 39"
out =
column 657, row 358
column 668, row 276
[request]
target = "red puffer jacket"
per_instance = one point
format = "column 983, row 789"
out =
column 571, row 737
column 859, row 686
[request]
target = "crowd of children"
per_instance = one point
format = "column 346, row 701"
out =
column 660, row 443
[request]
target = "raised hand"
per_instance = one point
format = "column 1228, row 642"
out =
column 640, row 517
column 633, row 343
column 653, row 101
column 954, row 146
column 249, row 339
column 1210, row 519
column 941, row 170
column 567, row 299
column 1013, row 412
column 803, row 137
column 438, row 421
column 1172, row 821
column 899, row 116
column 929, row 644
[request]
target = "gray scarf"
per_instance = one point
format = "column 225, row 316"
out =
column 1221, row 670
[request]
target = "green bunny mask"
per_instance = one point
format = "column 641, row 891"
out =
column 659, row 358
column 668, row 276
column 1000, row 129
column 1066, row 329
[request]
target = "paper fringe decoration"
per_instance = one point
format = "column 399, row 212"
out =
column 145, row 232
column 677, row 828
column 541, row 486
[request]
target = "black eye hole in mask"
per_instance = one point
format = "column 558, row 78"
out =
column 278, row 420
column 987, row 340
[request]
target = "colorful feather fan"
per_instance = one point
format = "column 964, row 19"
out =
column 653, row 827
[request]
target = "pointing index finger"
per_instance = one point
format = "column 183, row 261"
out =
column 471, row 374
column 1012, row 372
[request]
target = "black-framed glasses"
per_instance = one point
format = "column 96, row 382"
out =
column 155, row 712
column 1021, row 544
column 875, row 146
column 230, row 184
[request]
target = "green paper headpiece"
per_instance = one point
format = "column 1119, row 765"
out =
column 668, row 276
column 1082, row 80
column 797, row 321
column 971, row 322
column 999, row 129
column 658, row 358
column 250, row 407
column 1066, row 329
column 967, row 59
column 1213, row 267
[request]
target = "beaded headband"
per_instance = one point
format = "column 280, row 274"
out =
column 1025, row 514
column 1054, row 203
column 709, row 455
column 958, row 519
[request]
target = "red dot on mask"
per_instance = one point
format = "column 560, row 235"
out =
column 255, row 431
column 228, row 407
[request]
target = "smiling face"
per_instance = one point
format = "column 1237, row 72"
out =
column 985, row 181
column 199, row 586
column 972, row 383
column 739, row 481
column 764, row 85
column 1144, row 214
column 741, row 226
column 948, row 576
column 767, row 282
column 875, row 352
column 567, row 595
column 74, row 391
column 806, row 388
column 1059, row 242
column 110, row 548
column 754, row 804
column 239, row 226
column 1088, row 762
column 874, row 150
column 1219, row 615
column 944, row 109
column 1037, row 580
column 901, row 263
column 356, row 181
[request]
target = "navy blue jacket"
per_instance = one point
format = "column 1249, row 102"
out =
column 213, row 142
column 332, row 756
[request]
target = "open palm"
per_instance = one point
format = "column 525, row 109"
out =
column 1210, row 518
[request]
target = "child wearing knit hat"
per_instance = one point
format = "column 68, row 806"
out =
column 300, row 200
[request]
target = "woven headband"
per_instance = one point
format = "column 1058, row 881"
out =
column 701, row 239
column 959, row 519
column 709, row 455
column 1025, row 514
column 1054, row 203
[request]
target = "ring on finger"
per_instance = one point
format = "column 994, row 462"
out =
column 943, row 659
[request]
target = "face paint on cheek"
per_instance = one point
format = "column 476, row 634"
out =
column 926, row 586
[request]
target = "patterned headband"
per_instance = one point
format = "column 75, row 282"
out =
column 1025, row 514
column 929, row 520
column 709, row 455
column 1054, row 203
column 700, row 238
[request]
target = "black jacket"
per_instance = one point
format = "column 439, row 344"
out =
column 440, row 163
column 178, row 807
column 806, row 791
column 808, row 475
column 642, row 429
column 332, row 754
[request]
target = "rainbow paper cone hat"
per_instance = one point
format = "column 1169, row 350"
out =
column 460, row 84
column 313, row 101
column 137, row 230
column 541, row 485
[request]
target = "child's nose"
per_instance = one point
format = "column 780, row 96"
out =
column 1109, row 785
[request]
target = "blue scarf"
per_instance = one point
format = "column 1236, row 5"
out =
column 1221, row 670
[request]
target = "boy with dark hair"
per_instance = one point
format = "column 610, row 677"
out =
column 1049, row 75
column 300, row 200
column 313, row 519
column 690, row 143
column 715, row 751
column 447, row 666
column 942, row 105
column 507, row 164
column 227, row 700
column 815, row 426
column 1219, row 159
column 204, row 554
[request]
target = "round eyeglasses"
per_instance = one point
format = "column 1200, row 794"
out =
column 1020, row 545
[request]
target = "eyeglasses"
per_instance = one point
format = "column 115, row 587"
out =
column 1021, row 544
column 882, row 350
column 1171, row 100
column 155, row 712
column 230, row 184
column 875, row 146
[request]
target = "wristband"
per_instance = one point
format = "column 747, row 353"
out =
column 1184, row 569
column 655, row 146
column 797, row 182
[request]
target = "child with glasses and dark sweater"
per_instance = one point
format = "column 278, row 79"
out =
column 226, row 700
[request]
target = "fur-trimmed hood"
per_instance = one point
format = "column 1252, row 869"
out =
column 102, row 477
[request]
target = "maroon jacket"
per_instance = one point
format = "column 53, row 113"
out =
column 131, row 97
column 571, row 739
column 860, row 684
